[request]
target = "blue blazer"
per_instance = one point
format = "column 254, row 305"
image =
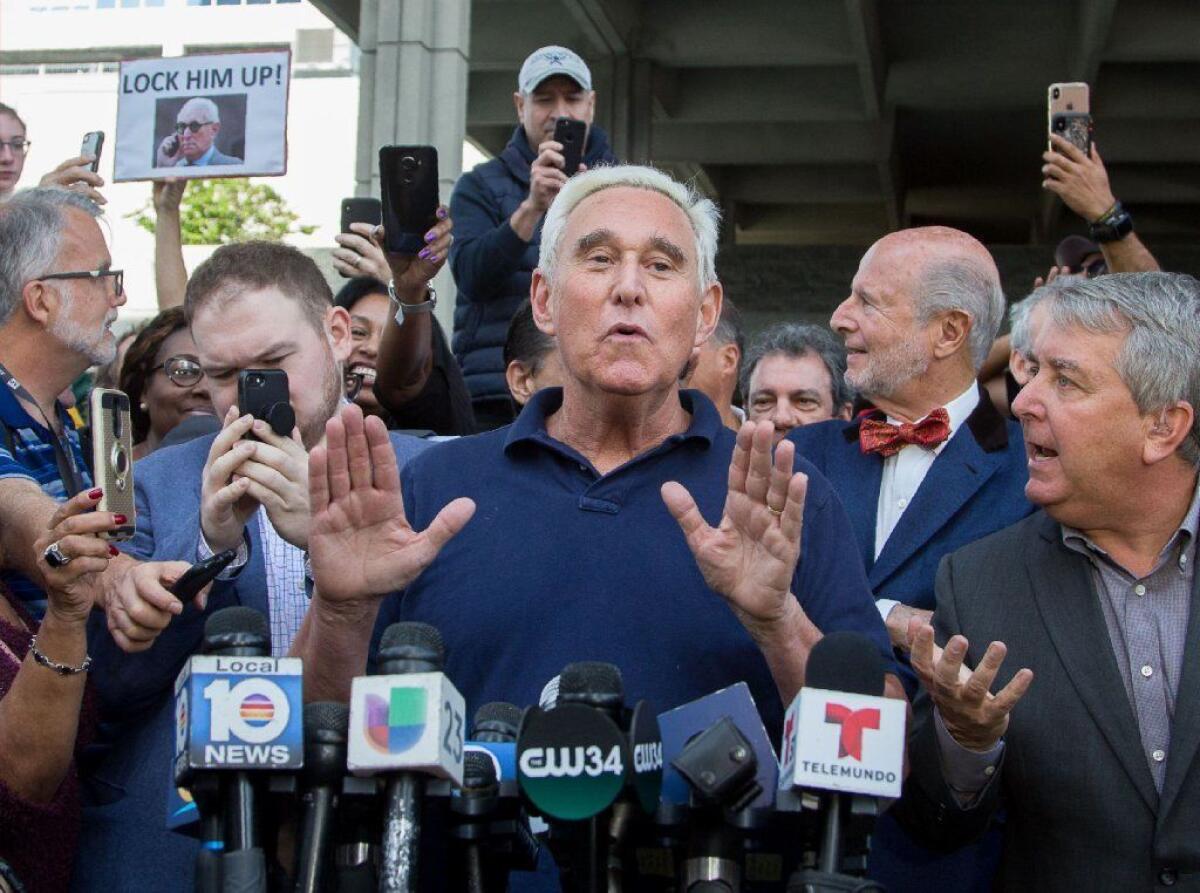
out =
column 124, row 843
column 975, row 487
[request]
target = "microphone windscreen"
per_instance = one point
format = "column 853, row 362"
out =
column 237, row 627
column 479, row 771
column 326, row 721
column 549, row 696
column 412, row 642
column 498, row 719
column 592, row 682
column 845, row 661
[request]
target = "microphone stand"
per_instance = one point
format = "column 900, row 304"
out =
column 402, row 833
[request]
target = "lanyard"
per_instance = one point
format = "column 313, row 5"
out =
column 68, row 471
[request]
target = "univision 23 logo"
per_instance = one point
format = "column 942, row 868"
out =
column 396, row 723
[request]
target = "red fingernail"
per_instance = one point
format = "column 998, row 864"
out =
column 119, row 519
column 114, row 551
column 95, row 494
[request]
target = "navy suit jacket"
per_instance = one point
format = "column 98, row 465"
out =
column 975, row 487
column 124, row 843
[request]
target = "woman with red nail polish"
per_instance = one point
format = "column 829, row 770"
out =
column 46, row 709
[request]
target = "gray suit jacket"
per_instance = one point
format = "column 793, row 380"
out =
column 1082, row 809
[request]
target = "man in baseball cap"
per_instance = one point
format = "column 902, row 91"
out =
column 497, row 209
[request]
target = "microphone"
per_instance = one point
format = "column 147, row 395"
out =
column 325, row 726
column 494, row 732
column 406, row 722
column 843, row 737
column 237, row 710
column 470, row 811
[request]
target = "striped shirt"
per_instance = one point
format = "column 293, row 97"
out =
column 27, row 453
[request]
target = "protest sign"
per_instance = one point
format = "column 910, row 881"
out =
column 217, row 115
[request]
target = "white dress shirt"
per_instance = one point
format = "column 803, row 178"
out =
column 904, row 472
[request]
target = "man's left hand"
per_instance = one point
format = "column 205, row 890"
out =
column 140, row 605
column 1079, row 180
column 750, row 557
column 277, row 472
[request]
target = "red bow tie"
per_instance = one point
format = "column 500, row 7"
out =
column 886, row 439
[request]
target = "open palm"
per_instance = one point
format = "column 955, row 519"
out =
column 360, row 542
column 750, row 557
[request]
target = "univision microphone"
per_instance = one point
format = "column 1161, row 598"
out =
column 406, row 723
column 238, row 711
column 841, row 736
column 325, row 726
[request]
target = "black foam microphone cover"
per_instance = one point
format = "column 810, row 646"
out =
column 592, row 683
column 237, row 631
column 845, row 661
column 496, row 722
column 411, row 648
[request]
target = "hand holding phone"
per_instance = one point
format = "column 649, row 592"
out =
column 201, row 574
column 112, row 457
column 93, row 142
column 409, row 186
column 571, row 135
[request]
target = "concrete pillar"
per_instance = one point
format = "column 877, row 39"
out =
column 413, row 91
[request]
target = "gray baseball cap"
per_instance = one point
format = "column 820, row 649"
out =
column 549, row 61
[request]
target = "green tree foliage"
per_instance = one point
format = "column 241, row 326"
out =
column 216, row 212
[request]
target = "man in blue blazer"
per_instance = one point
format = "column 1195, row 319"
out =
column 250, row 306
column 933, row 468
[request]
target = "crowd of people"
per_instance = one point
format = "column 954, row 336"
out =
column 598, row 463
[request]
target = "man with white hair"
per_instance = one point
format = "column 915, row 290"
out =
column 1082, row 619
column 194, row 143
column 559, row 538
column 934, row 466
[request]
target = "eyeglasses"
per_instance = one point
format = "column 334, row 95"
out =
column 19, row 145
column 118, row 277
column 193, row 126
column 182, row 371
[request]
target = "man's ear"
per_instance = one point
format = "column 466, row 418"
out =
column 216, row 128
column 520, row 381
column 731, row 357
column 337, row 331
column 844, row 412
column 591, row 109
column 709, row 313
column 519, row 105
column 950, row 337
column 1168, row 431
column 42, row 302
column 540, row 299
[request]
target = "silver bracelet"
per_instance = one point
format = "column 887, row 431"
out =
column 60, row 669
column 403, row 309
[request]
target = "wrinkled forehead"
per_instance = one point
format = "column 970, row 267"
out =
column 193, row 111
column 633, row 216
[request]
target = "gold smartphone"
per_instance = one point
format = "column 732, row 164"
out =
column 1068, row 112
column 112, row 457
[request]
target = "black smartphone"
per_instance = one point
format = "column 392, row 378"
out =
column 263, row 393
column 201, row 574
column 408, row 177
column 361, row 210
column 571, row 134
column 93, row 142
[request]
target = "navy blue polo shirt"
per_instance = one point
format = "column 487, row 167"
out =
column 27, row 453
column 561, row 564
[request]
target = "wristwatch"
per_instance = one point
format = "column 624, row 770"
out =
column 404, row 310
column 1114, row 225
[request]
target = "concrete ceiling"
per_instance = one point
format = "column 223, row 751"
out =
column 833, row 121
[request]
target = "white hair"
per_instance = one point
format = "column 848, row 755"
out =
column 967, row 285
column 203, row 102
column 702, row 213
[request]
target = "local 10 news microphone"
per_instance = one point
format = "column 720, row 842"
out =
column 585, row 763
column 843, row 738
column 238, row 721
column 406, row 724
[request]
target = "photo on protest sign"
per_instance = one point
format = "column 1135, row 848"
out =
column 217, row 115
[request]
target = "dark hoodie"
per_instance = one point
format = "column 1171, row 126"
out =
column 492, row 265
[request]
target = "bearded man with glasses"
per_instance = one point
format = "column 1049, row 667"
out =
column 193, row 144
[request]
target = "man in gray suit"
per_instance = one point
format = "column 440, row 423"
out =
column 1091, row 747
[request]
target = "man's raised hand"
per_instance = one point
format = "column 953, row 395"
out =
column 973, row 716
column 360, row 542
column 750, row 556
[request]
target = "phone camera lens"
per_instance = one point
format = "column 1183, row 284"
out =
column 1057, row 93
column 1060, row 125
column 408, row 163
column 120, row 460
column 255, row 381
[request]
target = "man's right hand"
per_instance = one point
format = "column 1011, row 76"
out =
column 973, row 716
column 546, row 175
column 360, row 542
column 76, row 174
column 167, row 195
column 225, row 505
column 168, row 151
column 140, row 605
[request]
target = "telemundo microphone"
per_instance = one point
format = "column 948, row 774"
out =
column 406, row 723
column 326, row 724
column 842, row 737
column 238, row 712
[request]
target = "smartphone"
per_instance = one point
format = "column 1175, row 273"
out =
column 112, row 457
column 408, row 178
column 93, row 142
column 1069, row 114
column 361, row 210
column 263, row 393
column 201, row 574
column 571, row 134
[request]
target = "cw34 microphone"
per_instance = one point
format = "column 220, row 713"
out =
column 843, row 737
column 237, row 710
column 406, row 722
column 325, row 726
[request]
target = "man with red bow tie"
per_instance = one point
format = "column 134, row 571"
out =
column 934, row 466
